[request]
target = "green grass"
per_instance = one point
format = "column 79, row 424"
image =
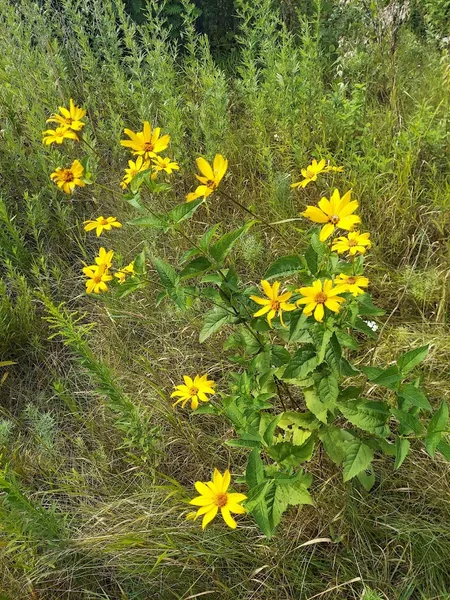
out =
column 95, row 462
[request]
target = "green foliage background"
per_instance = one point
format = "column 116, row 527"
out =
column 95, row 463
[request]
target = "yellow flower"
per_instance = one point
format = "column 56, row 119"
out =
column 104, row 257
column 335, row 212
column 146, row 143
column 316, row 296
column 135, row 168
column 101, row 224
column 122, row 274
column 210, row 176
column 68, row 179
column 352, row 283
column 58, row 135
column 97, row 276
column 69, row 117
column 194, row 390
column 311, row 172
column 165, row 164
column 355, row 242
column 274, row 304
column 214, row 495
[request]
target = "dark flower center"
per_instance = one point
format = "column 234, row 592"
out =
column 67, row 175
column 321, row 298
column 148, row 146
column 221, row 500
column 334, row 219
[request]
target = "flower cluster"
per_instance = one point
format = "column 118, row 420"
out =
column 147, row 145
column 69, row 122
column 311, row 172
column 69, row 125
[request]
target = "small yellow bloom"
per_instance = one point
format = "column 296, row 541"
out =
column 352, row 283
column 104, row 257
column 354, row 243
column 146, row 143
column 97, row 276
column 122, row 274
column 58, row 135
column 68, row 179
column 335, row 212
column 101, row 224
column 194, row 390
column 317, row 296
column 311, row 172
column 214, row 495
column 165, row 164
column 134, row 168
column 210, row 176
column 274, row 304
column 69, row 117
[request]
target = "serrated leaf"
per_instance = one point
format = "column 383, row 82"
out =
column 334, row 440
column 270, row 431
column 302, row 363
column 367, row 478
column 284, row 266
column 436, row 428
column 222, row 247
column 367, row 308
column 358, row 457
column 401, row 451
column 407, row 421
column 183, row 211
column 298, row 328
column 388, row 378
column 289, row 494
column 289, row 455
column 368, row 416
column 414, row 396
column 314, row 404
column 256, row 505
column 166, row 272
column 406, row 362
column 328, row 391
column 214, row 320
column 254, row 473
column 195, row 268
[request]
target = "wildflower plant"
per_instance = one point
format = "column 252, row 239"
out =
column 294, row 388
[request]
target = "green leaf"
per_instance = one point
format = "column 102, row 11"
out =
column 389, row 378
column 284, row 266
column 436, row 428
column 328, row 391
column 367, row 478
column 369, row 416
column 214, row 319
column 290, row 493
column 289, row 455
column 196, row 267
column 270, row 431
column 183, row 211
column 254, row 473
column 358, row 457
column 406, row 362
column 367, row 308
column 334, row 441
column 407, row 421
column 444, row 448
column 256, row 505
column 401, row 451
column 166, row 272
column 222, row 247
column 325, row 338
column 414, row 396
column 315, row 405
column 298, row 328
column 303, row 362
column 312, row 260
column 156, row 221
